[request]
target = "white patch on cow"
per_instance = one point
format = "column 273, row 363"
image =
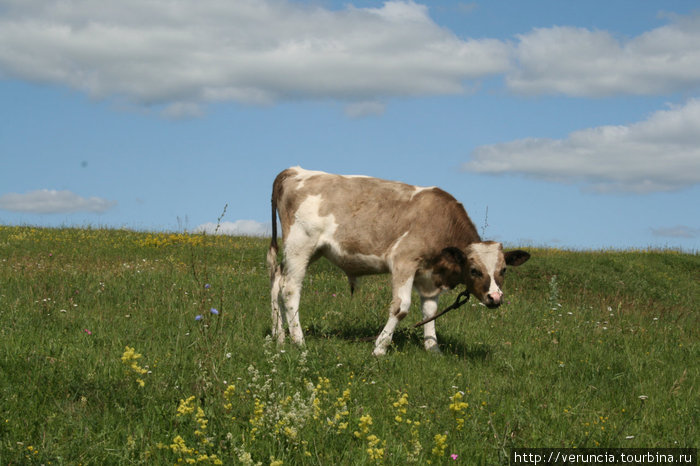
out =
column 489, row 255
column 394, row 247
column 404, row 295
column 429, row 306
column 419, row 189
column 303, row 174
column 384, row 338
column 308, row 223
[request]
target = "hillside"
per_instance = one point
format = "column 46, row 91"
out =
column 119, row 347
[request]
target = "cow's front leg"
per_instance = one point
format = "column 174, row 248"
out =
column 400, row 303
column 429, row 306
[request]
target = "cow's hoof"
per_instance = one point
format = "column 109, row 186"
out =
column 433, row 347
column 298, row 341
column 278, row 335
column 379, row 351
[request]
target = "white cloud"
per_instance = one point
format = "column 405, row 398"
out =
column 182, row 54
column 661, row 153
column 47, row 201
column 237, row 228
column 679, row 231
column 179, row 56
column 581, row 62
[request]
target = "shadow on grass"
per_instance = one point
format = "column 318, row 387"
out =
column 404, row 338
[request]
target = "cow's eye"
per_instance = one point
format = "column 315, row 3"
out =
column 475, row 272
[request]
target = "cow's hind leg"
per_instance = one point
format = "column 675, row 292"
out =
column 275, row 288
column 400, row 303
column 300, row 251
column 293, row 276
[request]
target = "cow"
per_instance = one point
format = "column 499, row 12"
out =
column 422, row 236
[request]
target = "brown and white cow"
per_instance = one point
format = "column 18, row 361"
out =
column 422, row 236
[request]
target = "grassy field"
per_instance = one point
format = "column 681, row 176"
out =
column 119, row 347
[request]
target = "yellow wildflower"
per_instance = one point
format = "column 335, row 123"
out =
column 401, row 403
column 365, row 422
column 400, row 407
column 185, row 407
column 179, row 446
column 323, row 385
column 316, row 403
column 129, row 355
column 375, row 454
column 290, row 432
column 440, row 444
column 457, row 405
column 130, row 358
column 458, row 408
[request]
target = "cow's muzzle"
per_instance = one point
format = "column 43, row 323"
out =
column 493, row 299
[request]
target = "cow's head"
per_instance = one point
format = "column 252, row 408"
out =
column 481, row 267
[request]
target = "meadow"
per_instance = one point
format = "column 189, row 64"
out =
column 122, row 347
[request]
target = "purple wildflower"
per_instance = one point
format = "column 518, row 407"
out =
column 214, row 311
column 198, row 317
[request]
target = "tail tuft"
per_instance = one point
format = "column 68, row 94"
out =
column 272, row 260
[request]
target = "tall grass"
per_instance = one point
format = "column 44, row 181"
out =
column 119, row 347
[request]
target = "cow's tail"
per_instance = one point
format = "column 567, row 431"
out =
column 274, row 248
column 275, row 268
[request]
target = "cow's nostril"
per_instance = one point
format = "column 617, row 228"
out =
column 493, row 299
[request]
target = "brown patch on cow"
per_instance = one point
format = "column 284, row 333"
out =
column 448, row 268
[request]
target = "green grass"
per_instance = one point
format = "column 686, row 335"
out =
column 591, row 349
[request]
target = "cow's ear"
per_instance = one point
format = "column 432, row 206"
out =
column 450, row 266
column 454, row 256
column 516, row 257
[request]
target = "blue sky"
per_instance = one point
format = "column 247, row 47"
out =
column 562, row 124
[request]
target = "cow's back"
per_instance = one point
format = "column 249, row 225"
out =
column 368, row 216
